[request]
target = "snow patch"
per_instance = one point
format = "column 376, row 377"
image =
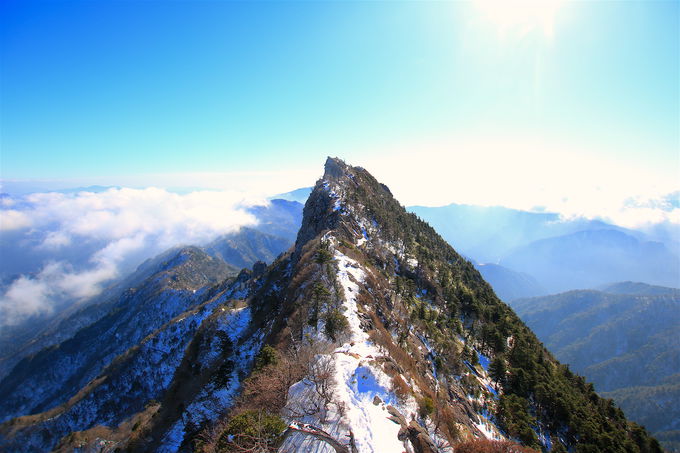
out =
column 356, row 382
column 213, row 401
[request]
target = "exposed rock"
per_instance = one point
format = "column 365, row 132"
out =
column 419, row 438
column 396, row 417
column 259, row 268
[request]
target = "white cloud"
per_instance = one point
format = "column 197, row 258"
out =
column 11, row 219
column 56, row 240
column 526, row 174
column 25, row 297
column 124, row 224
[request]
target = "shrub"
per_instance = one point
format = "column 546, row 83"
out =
column 336, row 324
column 252, row 431
column 267, row 356
column 323, row 253
column 425, row 407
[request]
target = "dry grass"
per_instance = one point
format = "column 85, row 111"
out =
column 90, row 439
column 401, row 388
column 492, row 446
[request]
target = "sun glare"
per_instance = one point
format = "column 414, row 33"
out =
column 521, row 16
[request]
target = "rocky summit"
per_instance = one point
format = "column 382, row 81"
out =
column 370, row 334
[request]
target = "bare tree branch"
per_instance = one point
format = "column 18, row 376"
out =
column 322, row 435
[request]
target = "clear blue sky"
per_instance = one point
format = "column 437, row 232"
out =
column 110, row 88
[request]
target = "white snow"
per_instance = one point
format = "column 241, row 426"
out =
column 212, row 401
column 357, row 380
column 488, row 429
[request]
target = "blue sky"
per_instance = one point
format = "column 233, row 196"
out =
column 566, row 106
column 579, row 97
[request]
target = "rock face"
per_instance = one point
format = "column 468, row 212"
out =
column 379, row 338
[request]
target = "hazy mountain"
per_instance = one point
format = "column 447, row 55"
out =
column 627, row 344
column 488, row 234
column 370, row 334
column 299, row 195
column 17, row 342
column 53, row 375
column 589, row 259
column 654, row 406
column 280, row 218
column 236, row 250
column 23, row 251
column 559, row 254
column 247, row 246
column 23, row 254
column 509, row 284
column 639, row 289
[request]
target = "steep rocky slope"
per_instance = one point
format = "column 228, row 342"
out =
column 55, row 374
column 83, row 313
column 371, row 334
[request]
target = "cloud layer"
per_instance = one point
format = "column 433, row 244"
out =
column 103, row 234
column 530, row 175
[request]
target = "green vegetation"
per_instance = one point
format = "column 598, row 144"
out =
column 267, row 356
column 252, row 431
column 320, row 298
column 655, row 407
column 497, row 369
column 626, row 344
column 514, row 419
column 323, row 253
column 425, row 407
column 335, row 324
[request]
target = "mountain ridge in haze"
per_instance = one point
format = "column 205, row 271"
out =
column 624, row 339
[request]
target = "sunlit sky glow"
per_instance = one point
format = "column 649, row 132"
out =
column 561, row 105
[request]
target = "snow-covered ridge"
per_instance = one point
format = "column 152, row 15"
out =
column 217, row 397
column 140, row 313
column 144, row 372
column 362, row 390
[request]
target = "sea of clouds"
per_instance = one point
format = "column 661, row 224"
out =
column 81, row 241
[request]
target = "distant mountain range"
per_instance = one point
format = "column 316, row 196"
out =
column 591, row 258
column 509, row 284
column 298, row 195
column 278, row 218
column 623, row 338
column 488, row 234
column 542, row 250
column 247, row 246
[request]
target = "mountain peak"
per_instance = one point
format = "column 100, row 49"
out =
column 347, row 199
column 334, row 168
